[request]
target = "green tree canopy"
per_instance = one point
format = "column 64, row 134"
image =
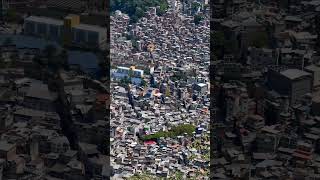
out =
column 195, row 6
column 136, row 8
column 174, row 132
column 198, row 18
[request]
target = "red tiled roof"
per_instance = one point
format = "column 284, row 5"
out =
column 149, row 142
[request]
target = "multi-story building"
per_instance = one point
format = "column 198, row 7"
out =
column 87, row 34
column 39, row 97
column 291, row 82
column 68, row 31
column 7, row 151
column 125, row 71
column 44, row 27
column 315, row 71
column 133, row 74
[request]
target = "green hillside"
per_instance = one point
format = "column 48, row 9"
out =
column 136, row 8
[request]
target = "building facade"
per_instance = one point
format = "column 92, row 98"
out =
column 44, row 27
column 292, row 82
column 68, row 31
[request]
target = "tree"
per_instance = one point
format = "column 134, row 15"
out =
column 178, row 175
column 124, row 82
column 195, row 6
column 147, row 71
column 174, row 132
column 134, row 43
column 137, row 8
column 198, row 18
column 168, row 91
column 143, row 176
column 139, row 12
column 130, row 74
column 179, row 76
column 206, row 6
column 143, row 83
column 162, row 9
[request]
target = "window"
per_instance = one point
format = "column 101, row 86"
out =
column 29, row 28
column 93, row 38
column 42, row 29
column 80, row 36
column 54, row 32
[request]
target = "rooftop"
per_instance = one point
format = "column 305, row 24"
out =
column 45, row 20
column 5, row 146
column 88, row 27
column 40, row 91
column 294, row 73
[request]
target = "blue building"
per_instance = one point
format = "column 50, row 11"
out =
column 134, row 74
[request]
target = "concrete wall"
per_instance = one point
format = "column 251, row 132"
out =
column 300, row 88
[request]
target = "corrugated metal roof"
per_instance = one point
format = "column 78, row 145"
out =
column 45, row 20
column 294, row 73
column 88, row 27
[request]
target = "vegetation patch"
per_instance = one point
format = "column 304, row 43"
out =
column 173, row 132
column 137, row 8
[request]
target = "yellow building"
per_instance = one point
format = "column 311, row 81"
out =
column 69, row 22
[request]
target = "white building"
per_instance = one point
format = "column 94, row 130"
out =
column 123, row 72
column 44, row 27
column 89, row 34
column 83, row 35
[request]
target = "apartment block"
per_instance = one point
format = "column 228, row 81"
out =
column 68, row 31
